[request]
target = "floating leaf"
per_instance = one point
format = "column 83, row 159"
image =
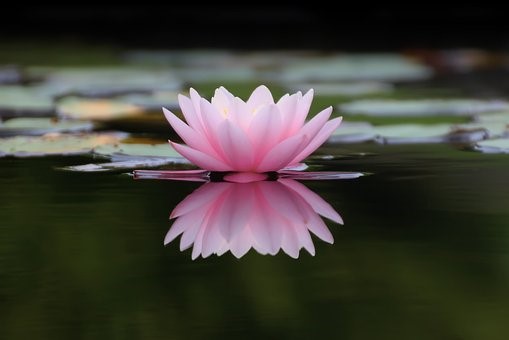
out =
column 347, row 89
column 498, row 117
column 493, row 129
column 56, row 144
column 104, row 81
column 97, row 109
column 216, row 74
column 10, row 75
column 415, row 133
column 18, row 101
column 137, row 150
column 382, row 67
column 123, row 165
column 152, row 101
column 353, row 132
column 493, row 146
column 40, row 126
column 422, row 107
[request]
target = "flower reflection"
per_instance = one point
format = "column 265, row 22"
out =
column 264, row 215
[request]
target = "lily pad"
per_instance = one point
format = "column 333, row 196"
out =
column 493, row 146
column 40, row 126
column 97, row 109
column 422, row 107
column 130, row 164
column 437, row 133
column 381, row 67
column 353, row 132
column 497, row 117
column 493, row 129
column 11, row 75
column 346, row 89
column 56, row 144
column 217, row 74
column 18, row 101
column 137, row 150
column 152, row 101
column 106, row 81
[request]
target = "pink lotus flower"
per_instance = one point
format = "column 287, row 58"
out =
column 264, row 215
column 259, row 135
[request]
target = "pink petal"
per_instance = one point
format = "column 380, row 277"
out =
column 260, row 96
column 281, row 155
column 319, row 139
column 200, row 198
column 237, row 210
column 302, row 111
column 290, row 243
column 316, row 202
column 318, row 227
column 312, row 127
column 195, row 99
column 265, row 130
column 192, row 118
column 287, row 105
column 188, row 135
column 236, row 146
column 200, row 159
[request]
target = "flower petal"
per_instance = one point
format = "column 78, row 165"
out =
column 265, row 130
column 312, row 127
column 188, row 135
column 281, row 155
column 236, row 146
column 302, row 112
column 192, row 117
column 260, row 96
column 319, row 139
column 316, row 202
column 200, row 159
column 200, row 198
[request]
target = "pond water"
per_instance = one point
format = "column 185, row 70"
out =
column 423, row 252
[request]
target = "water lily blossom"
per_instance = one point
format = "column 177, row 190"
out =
column 257, row 135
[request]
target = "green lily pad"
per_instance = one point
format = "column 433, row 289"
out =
column 382, row 67
column 152, row 101
column 353, row 132
column 418, row 133
column 97, row 109
column 105, row 81
column 493, row 129
column 40, row 126
column 422, row 107
column 10, row 75
column 136, row 150
column 493, row 146
column 131, row 164
column 346, row 89
column 217, row 74
column 497, row 117
column 56, row 144
column 18, row 101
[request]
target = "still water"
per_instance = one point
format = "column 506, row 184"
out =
column 423, row 254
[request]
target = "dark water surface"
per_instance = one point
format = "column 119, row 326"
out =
column 423, row 254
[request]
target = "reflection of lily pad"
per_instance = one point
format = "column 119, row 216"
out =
column 24, row 101
column 493, row 146
column 415, row 133
column 56, row 144
column 422, row 107
column 385, row 67
column 137, row 150
column 353, row 132
column 40, row 126
column 96, row 109
column 152, row 101
column 104, row 81
column 347, row 89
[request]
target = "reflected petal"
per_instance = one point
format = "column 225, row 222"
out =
column 265, row 215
